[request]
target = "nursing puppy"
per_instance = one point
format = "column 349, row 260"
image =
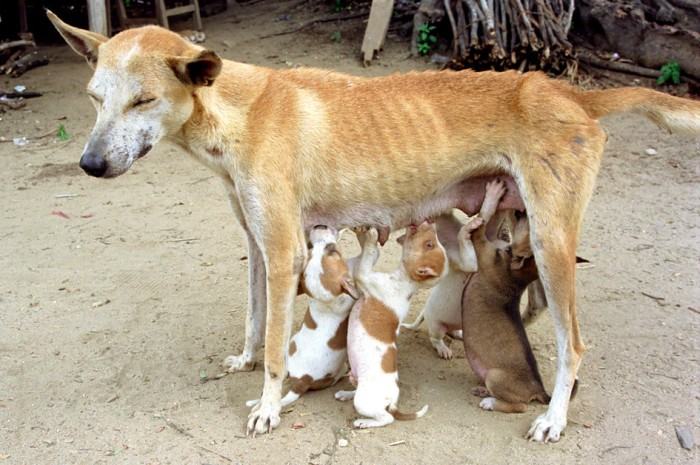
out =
column 443, row 309
column 375, row 319
column 317, row 352
column 495, row 341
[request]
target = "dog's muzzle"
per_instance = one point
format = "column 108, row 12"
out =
column 93, row 164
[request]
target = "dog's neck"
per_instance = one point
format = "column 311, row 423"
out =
column 220, row 114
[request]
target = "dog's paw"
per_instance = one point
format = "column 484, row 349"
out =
column 366, row 236
column 264, row 417
column 546, row 429
column 344, row 396
column 488, row 403
column 234, row 363
column 457, row 334
column 480, row 391
column 473, row 224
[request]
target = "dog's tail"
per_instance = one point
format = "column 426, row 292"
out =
column 416, row 323
column 673, row 113
column 401, row 416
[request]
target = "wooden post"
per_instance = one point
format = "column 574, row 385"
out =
column 97, row 16
column 22, row 6
column 377, row 26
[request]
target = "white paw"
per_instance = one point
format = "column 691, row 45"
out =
column 487, row 403
column 234, row 363
column 344, row 396
column 443, row 351
column 264, row 417
column 546, row 429
column 252, row 403
column 457, row 334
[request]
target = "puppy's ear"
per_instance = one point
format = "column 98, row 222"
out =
column 201, row 70
column 401, row 239
column 85, row 43
column 517, row 263
column 349, row 288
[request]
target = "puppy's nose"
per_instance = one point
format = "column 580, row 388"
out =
column 93, row 164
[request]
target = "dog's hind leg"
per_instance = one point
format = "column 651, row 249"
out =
column 556, row 189
column 257, row 300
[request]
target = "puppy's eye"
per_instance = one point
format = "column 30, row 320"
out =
column 143, row 101
column 429, row 245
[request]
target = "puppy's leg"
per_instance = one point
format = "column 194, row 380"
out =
column 508, row 391
column 497, row 405
column 536, row 302
column 344, row 396
column 255, row 317
column 437, row 331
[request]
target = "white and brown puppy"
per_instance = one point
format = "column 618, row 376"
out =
column 443, row 309
column 317, row 352
column 375, row 318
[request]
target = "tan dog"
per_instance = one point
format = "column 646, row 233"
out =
column 375, row 319
column 317, row 352
column 495, row 341
column 301, row 147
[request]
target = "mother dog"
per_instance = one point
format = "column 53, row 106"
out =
column 302, row 147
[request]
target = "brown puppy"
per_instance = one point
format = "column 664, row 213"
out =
column 495, row 342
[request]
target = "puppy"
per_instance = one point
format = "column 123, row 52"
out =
column 495, row 341
column 443, row 309
column 375, row 319
column 317, row 352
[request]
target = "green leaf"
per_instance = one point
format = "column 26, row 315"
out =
column 62, row 134
column 432, row 39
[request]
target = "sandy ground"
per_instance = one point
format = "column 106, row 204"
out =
column 109, row 318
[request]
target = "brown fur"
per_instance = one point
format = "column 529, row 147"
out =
column 309, row 321
column 495, row 341
column 307, row 383
column 424, row 259
column 335, row 271
column 378, row 320
column 292, row 348
column 303, row 143
column 389, row 364
column 339, row 340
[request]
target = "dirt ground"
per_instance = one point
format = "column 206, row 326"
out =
column 110, row 317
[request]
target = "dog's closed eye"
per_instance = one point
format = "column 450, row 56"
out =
column 142, row 101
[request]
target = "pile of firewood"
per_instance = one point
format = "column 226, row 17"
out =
column 19, row 56
column 523, row 34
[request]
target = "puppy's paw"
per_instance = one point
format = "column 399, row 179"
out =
column 367, row 236
column 234, row 363
column 473, row 224
column 344, row 396
column 488, row 403
column 264, row 417
column 444, row 351
column 480, row 391
column 546, row 428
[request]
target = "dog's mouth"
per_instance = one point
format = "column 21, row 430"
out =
column 144, row 151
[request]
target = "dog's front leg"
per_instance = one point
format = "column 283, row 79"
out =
column 281, row 237
column 257, row 298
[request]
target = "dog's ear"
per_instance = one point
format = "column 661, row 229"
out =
column 84, row 42
column 349, row 288
column 201, row 70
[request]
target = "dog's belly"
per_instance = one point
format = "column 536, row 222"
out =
column 466, row 195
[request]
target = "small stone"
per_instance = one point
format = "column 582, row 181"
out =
column 298, row 425
column 342, row 442
column 650, row 151
column 685, row 437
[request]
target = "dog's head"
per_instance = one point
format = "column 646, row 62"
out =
column 423, row 256
column 326, row 275
column 142, row 90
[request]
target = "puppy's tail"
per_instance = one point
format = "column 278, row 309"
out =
column 416, row 323
column 673, row 113
column 401, row 416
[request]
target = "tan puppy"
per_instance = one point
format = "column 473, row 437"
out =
column 495, row 341
column 317, row 352
column 301, row 147
column 375, row 318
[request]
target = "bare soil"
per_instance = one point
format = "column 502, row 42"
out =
column 110, row 318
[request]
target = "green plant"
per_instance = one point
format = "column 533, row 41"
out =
column 335, row 36
column 338, row 6
column 671, row 71
column 426, row 38
column 62, row 134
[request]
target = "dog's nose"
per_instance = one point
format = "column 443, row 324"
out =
column 93, row 164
